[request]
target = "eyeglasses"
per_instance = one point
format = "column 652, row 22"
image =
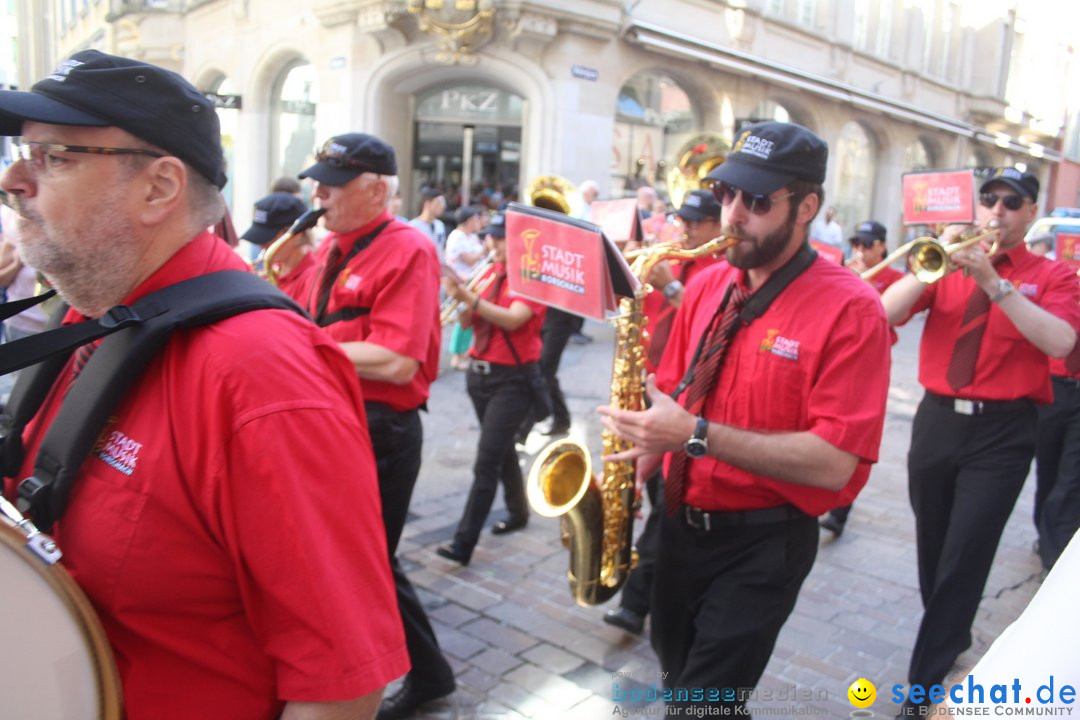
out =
column 756, row 203
column 333, row 154
column 40, row 155
column 1011, row 202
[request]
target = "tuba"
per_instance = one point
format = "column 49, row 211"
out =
column 552, row 192
column 597, row 514
column 696, row 158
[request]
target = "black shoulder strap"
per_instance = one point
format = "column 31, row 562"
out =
column 120, row 359
column 343, row 314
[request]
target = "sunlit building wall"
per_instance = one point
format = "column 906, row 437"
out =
column 612, row 91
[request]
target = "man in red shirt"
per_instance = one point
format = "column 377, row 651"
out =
column 204, row 528
column 984, row 362
column 700, row 216
column 867, row 250
column 766, row 430
column 373, row 285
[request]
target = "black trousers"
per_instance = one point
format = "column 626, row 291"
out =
column 397, row 438
column 637, row 591
column 720, row 599
column 964, row 475
column 502, row 402
column 1057, row 470
column 556, row 331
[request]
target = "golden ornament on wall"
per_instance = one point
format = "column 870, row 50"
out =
column 459, row 26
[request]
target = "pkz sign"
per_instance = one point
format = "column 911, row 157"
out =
column 470, row 102
column 225, row 102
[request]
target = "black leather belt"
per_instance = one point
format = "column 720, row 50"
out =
column 483, row 367
column 1073, row 382
column 707, row 520
column 964, row 406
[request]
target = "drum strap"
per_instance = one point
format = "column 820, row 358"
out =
column 133, row 335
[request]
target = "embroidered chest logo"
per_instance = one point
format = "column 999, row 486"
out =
column 1028, row 289
column 777, row 344
column 118, row 451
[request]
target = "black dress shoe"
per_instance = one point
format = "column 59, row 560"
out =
column 832, row 524
column 450, row 551
column 508, row 526
column 626, row 619
column 410, row 698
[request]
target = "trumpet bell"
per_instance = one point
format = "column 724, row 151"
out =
column 552, row 192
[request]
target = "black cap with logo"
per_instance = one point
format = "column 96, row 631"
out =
column 1024, row 183
column 868, row 232
column 345, row 157
column 273, row 213
column 92, row 89
column 699, row 205
column 770, row 155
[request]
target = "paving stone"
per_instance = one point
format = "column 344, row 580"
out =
column 499, row 635
column 552, row 658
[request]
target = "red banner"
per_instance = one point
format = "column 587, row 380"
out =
column 939, row 197
column 563, row 262
column 1068, row 249
column 618, row 219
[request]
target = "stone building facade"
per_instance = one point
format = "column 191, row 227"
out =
column 492, row 93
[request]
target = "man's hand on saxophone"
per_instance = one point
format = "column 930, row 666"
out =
column 661, row 428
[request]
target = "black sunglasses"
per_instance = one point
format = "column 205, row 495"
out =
column 756, row 203
column 1011, row 202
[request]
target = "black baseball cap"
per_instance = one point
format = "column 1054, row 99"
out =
column 273, row 213
column 345, row 157
column 496, row 226
column 868, row 233
column 699, row 205
column 1024, row 183
column 769, row 155
column 92, row 89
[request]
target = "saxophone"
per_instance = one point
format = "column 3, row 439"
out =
column 597, row 515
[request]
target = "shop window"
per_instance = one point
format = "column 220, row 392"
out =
column 293, row 133
column 855, row 161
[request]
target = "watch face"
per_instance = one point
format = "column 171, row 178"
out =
column 696, row 448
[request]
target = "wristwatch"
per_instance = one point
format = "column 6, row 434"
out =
column 1005, row 288
column 698, row 444
column 672, row 289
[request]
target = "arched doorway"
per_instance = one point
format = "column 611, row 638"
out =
column 468, row 143
column 294, row 96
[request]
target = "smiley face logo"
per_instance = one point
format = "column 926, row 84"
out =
column 862, row 693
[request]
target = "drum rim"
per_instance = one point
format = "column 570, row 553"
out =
column 74, row 599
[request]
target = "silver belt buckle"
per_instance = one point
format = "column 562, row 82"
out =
column 964, row 407
column 705, row 524
column 481, row 367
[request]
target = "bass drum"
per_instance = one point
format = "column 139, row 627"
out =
column 54, row 659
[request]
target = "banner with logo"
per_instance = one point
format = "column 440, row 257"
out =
column 939, row 197
column 618, row 219
column 564, row 262
column 1067, row 249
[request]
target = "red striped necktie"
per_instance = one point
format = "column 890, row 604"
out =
column 705, row 374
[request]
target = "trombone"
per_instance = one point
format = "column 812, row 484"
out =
column 477, row 284
column 929, row 257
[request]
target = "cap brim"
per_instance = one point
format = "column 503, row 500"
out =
column 327, row 175
column 497, row 233
column 16, row 107
column 693, row 214
column 260, row 234
column 751, row 178
column 865, row 237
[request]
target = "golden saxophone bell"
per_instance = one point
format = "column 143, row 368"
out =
column 929, row 257
column 302, row 224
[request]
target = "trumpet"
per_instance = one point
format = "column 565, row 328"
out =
column 477, row 284
column 929, row 257
column 266, row 257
